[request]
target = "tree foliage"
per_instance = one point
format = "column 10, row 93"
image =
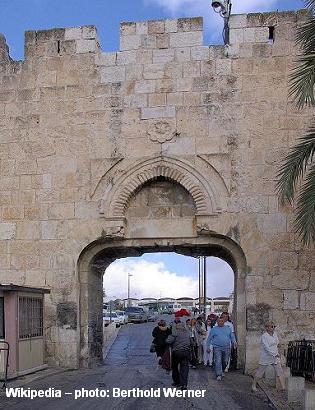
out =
column 296, row 178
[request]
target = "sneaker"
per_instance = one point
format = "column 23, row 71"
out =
column 219, row 378
column 193, row 367
column 254, row 388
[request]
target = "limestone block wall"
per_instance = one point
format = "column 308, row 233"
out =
column 81, row 130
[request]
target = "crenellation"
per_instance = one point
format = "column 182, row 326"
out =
column 130, row 42
column 170, row 26
column 156, row 27
column 4, row 49
column 142, row 27
column 127, row 28
column 190, row 24
column 271, row 18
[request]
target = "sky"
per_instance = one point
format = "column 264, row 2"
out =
column 166, row 275
column 17, row 16
column 154, row 275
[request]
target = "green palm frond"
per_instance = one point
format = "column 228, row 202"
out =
column 295, row 164
column 310, row 4
column 305, row 219
column 305, row 36
column 303, row 80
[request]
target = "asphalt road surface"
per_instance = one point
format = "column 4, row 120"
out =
column 130, row 365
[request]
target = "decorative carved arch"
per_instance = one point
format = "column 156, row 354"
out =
column 206, row 197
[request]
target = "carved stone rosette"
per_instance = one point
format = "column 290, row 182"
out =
column 161, row 131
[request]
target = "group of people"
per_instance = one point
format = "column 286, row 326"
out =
column 209, row 342
column 195, row 341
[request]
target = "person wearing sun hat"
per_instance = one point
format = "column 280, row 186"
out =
column 269, row 356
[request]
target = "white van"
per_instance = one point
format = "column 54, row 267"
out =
column 174, row 307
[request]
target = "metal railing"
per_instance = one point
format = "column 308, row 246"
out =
column 301, row 357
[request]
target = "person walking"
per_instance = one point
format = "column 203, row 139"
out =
column 201, row 338
column 208, row 355
column 221, row 338
column 181, row 345
column 233, row 356
column 191, row 326
column 160, row 333
column 269, row 356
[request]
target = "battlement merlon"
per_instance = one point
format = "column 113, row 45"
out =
column 4, row 49
column 61, row 41
column 246, row 30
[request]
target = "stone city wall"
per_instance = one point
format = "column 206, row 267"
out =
column 81, row 131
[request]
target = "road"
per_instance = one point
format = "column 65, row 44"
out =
column 129, row 364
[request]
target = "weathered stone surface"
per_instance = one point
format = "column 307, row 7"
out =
column 165, row 140
column 7, row 230
column 67, row 315
column 290, row 299
column 257, row 316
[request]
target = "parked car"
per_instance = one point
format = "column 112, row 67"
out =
column 152, row 317
column 136, row 315
column 111, row 317
column 122, row 316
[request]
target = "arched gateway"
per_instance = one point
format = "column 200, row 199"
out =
column 165, row 145
column 98, row 255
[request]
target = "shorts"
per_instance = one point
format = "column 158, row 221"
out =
column 262, row 368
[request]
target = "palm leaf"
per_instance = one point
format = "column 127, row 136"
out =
column 310, row 4
column 305, row 219
column 295, row 164
column 303, row 80
column 305, row 36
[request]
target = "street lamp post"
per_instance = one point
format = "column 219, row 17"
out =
column 202, row 284
column 128, row 296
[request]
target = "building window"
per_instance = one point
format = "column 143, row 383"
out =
column 1, row 318
column 30, row 317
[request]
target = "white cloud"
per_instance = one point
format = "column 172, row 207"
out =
column 150, row 279
column 213, row 24
column 153, row 279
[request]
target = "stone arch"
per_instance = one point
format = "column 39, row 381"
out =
column 95, row 258
column 207, row 195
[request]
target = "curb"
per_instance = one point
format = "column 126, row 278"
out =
column 110, row 344
column 23, row 381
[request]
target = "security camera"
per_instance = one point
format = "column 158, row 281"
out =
column 219, row 6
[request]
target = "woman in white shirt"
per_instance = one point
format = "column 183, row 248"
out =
column 269, row 356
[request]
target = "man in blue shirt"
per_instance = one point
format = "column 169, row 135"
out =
column 221, row 338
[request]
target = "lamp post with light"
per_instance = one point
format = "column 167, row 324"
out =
column 223, row 8
column 128, row 295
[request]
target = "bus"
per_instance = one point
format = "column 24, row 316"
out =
column 172, row 308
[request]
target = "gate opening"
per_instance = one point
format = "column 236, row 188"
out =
column 99, row 256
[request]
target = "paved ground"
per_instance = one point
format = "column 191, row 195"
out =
column 128, row 365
